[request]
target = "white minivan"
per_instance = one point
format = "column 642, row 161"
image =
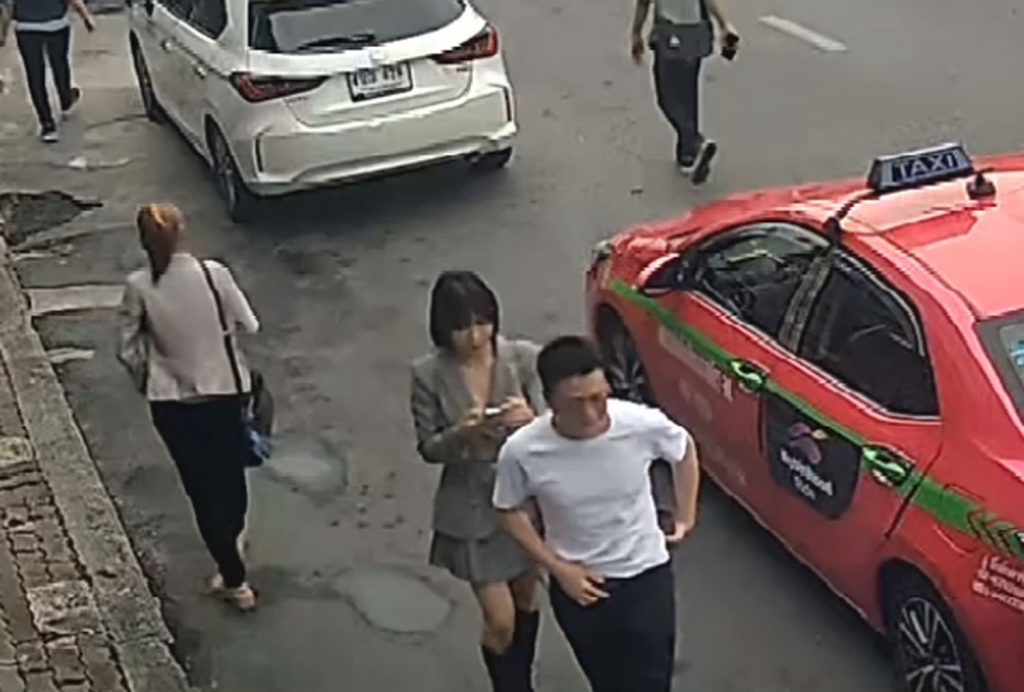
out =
column 283, row 95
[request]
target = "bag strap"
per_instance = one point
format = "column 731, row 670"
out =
column 228, row 348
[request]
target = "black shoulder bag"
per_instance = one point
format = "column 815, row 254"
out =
column 258, row 405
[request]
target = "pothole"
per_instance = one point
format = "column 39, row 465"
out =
column 24, row 214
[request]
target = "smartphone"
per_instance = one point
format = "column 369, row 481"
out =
column 730, row 46
column 492, row 412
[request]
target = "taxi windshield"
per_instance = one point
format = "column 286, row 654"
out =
column 1003, row 338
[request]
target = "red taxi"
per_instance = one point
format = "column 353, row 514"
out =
column 850, row 359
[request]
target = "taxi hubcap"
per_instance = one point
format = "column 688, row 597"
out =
column 628, row 379
column 928, row 648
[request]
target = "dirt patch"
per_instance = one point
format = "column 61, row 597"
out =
column 23, row 214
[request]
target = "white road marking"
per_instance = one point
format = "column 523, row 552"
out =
column 59, row 356
column 798, row 31
column 44, row 301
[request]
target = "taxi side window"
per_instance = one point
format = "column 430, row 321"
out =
column 864, row 333
column 754, row 272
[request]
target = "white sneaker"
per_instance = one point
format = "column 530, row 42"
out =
column 50, row 135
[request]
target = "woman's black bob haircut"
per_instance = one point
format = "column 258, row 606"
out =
column 459, row 300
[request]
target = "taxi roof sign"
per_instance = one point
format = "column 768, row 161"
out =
column 916, row 168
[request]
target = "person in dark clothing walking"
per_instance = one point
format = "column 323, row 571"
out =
column 681, row 38
column 43, row 32
column 586, row 466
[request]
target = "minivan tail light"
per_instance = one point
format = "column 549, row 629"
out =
column 483, row 45
column 255, row 88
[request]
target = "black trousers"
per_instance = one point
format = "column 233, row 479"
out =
column 677, row 86
column 35, row 48
column 206, row 441
column 625, row 643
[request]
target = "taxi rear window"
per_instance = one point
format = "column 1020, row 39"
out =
column 1003, row 338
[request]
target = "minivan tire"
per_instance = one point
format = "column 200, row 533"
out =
column 154, row 111
column 492, row 160
column 912, row 600
column 239, row 201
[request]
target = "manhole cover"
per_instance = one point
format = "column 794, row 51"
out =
column 23, row 214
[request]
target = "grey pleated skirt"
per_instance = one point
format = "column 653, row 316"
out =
column 495, row 558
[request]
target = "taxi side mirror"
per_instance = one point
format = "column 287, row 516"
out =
column 663, row 275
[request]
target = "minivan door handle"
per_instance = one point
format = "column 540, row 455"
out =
column 167, row 45
column 199, row 70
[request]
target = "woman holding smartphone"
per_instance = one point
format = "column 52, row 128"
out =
column 472, row 391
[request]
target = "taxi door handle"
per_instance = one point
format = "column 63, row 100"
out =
column 199, row 70
column 751, row 377
column 886, row 467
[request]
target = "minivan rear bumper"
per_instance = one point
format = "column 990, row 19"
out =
column 288, row 156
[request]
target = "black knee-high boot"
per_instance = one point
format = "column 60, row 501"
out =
column 524, row 644
column 503, row 669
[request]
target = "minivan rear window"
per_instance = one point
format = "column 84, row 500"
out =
column 326, row 26
column 1003, row 338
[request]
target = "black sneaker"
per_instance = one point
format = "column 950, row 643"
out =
column 76, row 96
column 50, row 135
column 702, row 168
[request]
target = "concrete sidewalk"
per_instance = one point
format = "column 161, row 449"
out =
column 76, row 613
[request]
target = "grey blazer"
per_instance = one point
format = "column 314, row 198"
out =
column 440, row 398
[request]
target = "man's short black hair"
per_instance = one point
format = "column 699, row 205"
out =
column 459, row 300
column 566, row 357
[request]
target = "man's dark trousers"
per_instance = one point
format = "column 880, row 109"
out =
column 35, row 48
column 677, row 85
column 626, row 642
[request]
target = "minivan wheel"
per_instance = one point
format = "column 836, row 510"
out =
column 154, row 111
column 931, row 652
column 493, row 160
column 239, row 202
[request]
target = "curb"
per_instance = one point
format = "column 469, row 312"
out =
column 130, row 612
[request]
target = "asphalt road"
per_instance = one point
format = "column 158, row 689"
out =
column 339, row 279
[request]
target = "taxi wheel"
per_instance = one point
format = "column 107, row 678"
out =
column 626, row 373
column 932, row 654
column 238, row 200
column 154, row 111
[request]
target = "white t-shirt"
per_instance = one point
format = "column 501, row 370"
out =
column 594, row 495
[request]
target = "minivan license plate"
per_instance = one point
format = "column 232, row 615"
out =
column 379, row 81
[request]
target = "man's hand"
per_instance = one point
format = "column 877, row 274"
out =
column 579, row 583
column 637, row 47
column 682, row 530
column 89, row 21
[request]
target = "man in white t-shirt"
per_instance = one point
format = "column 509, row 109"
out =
column 585, row 464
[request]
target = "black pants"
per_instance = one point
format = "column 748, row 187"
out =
column 35, row 47
column 677, row 85
column 625, row 643
column 206, row 441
